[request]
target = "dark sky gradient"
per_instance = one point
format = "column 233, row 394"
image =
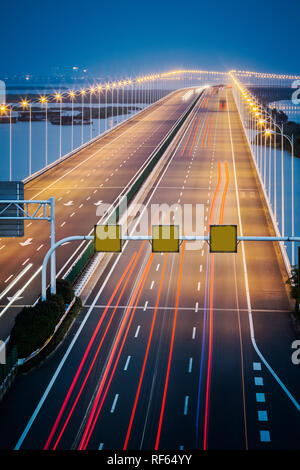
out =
column 114, row 38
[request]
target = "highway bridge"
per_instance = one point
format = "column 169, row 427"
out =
column 187, row 350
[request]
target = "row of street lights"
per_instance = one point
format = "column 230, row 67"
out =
column 149, row 88
column 257, row 117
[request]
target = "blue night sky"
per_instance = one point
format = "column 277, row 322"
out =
column 116, row 38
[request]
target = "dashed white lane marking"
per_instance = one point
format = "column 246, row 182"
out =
column 6, row 280
column 190, row 365
column 127, row 363
column 26, row 261
column 41, row 246
column 157, row 267
column 101, row 446
column 196, row 307
column 202, row 253
column 186, row 404
column 28, row 225
column 262, row 415
column 137, row 331
column 62, row 224
column 73, row 213
column 265, row 436
column 181, row 447
column 200, row 268
column 258, row 381
column 260, row 398
column 256, row 365
column 114, row 403
column 145, row 306
column 1, row 248
column 152, row 284
column 80, row 206
column 198, row 286
column 88, row 198
column 194, row 332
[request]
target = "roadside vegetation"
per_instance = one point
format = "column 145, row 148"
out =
column 35, row 325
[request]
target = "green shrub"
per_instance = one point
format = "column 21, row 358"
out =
column 64, row 289
column 34, row 325
column 31, row 330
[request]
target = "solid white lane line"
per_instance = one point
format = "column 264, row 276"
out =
column 17, row 278
column 186, row 404
column 114, row 403
column 127, row 363
column 252, row 333
column 137, row 331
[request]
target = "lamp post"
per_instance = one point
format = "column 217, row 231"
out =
column 72, row 96
column 44, row 101
column 92, row 91
column 99, row 88
column 25, row 104
column 58, row 98
column 82, row 113
column 291, row 142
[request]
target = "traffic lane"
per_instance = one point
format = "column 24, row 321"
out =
column 36, row 436
column 55, row 172
column 75, row 173
column 152, row 282
column 126, row 384
column 271, row 417
column 269, row 284
column 278, row 348
column 70, row 202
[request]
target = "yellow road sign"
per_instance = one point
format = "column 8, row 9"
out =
column 165, row 238
column 108, row 238
column 223, row 239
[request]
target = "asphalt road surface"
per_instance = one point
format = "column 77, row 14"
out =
column 176, row 351
column 97, row 173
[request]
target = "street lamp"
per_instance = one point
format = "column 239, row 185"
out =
column 44, row 101
column 25, row 104
column 72, row 96
column 291, row 142
column 58, row 98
